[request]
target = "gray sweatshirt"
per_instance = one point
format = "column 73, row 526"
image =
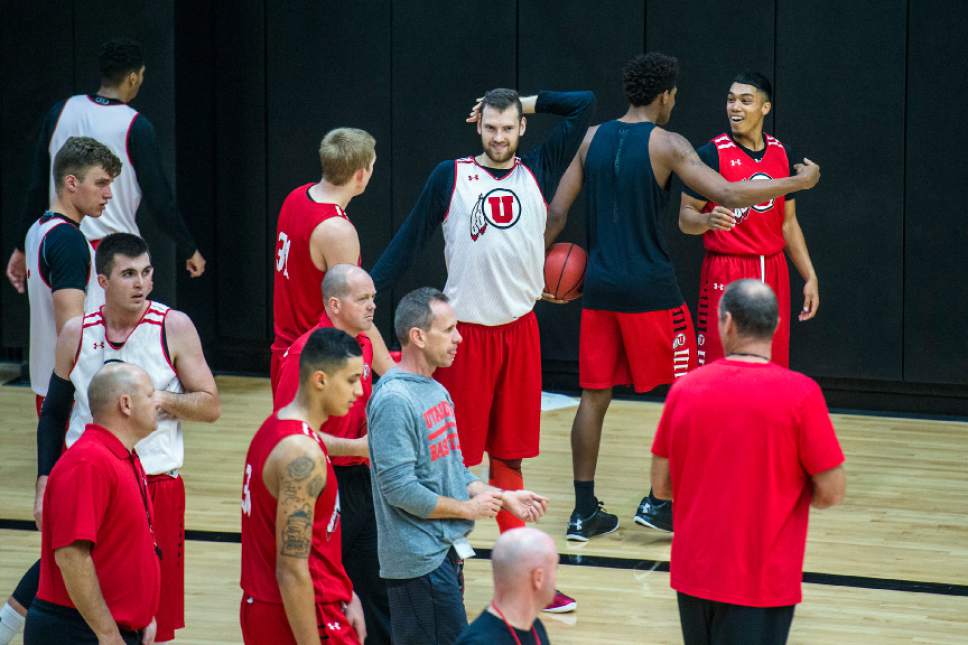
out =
column 415, row 457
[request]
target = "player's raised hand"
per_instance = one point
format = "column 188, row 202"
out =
column 720, row 219
column 475, row 114
column 811, row 299
column 809, row 172
column 195, row 265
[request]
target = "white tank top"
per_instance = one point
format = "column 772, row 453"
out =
column 163, row 450
column 109, row 123
column 494, row 243
column 43, row 323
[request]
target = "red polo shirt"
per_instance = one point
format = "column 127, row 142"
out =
column 742, row 440
column 97, row 493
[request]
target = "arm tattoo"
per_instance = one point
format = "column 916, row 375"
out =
column 297, row 535
column 300, row 467
column 315, row 486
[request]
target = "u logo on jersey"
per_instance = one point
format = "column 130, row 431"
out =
column 742, row 213
column 500, row 207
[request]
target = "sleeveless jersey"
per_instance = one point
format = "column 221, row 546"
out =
column 759, row 228
column 164, row 449
column 629, row 268
column 43, row 324
column 259, row 550
column 297, row 298
column 109, row 122
column 494, row 243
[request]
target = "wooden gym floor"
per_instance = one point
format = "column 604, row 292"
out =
column 888, row 566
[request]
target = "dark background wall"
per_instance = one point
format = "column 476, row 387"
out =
column 241, row 93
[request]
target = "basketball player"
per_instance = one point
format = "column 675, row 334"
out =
column 294, row 587
column 348, row 294
column 164, row 343
column 748, row 242
column 493, row 210
column 315, row 233
column 635, row 327
column 107, row 117
column 63, row 281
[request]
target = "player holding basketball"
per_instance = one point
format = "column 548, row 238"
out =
column 162, row 341
column 349, row 294
column 294, row 587
column 635, row 326
column 748, row 242
column 315, row 233
column 493, row 210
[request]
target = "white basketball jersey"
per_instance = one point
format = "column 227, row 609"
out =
column 43, row 323
column 494, row 243
column 164, row 449
column 109, row 123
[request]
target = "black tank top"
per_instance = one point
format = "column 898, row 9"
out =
column 629, row 268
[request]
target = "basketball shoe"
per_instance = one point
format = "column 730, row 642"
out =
column 582, row 529
column 654, row 513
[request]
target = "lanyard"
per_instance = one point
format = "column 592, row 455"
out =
column 144, row 500
column 514, row 634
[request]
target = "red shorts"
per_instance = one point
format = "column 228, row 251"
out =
column 168, row 503
column 275, row 362
column 495, row 383
column 265, row 623
column 717, row 272
column 639, row 349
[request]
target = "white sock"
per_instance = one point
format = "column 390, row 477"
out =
column 10, row 623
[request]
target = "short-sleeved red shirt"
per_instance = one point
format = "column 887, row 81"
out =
column 743, row 440
column 352, row 425
column 297, row 302
column 97, row 493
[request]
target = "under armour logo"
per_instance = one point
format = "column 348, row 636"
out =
column 719, row 286
column 333, row 627
column 473, row 177
column 736, row 162
column 98, row 344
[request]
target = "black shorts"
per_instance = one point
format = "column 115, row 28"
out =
column 707, row 622
column 50, row 623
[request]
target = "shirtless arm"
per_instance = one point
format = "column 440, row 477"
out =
column 671, row 153
column 68, row 303
column 568, row 189
column 200, row 401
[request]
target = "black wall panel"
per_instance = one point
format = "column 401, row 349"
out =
column 713, row 42
column 444, row 55
column 840, row 96
column 32, row 77
column 590, row 49
column 244, row 246
column 327, row 73
column 935, row 293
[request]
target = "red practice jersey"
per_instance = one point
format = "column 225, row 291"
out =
column 759, row 228
column 297, row 299
column 259, row 548
column 350, row 426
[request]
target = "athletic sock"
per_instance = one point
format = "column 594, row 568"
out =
column 507, row 478
column 10, row 623
column 585, row 502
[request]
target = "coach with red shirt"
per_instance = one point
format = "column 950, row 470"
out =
column 100, row 579
column 744, row 447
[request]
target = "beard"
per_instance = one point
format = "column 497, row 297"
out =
column 500, row 156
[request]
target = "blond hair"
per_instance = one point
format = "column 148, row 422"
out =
column 343, row 151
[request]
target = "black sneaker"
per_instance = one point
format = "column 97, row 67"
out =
column 655, row 513
column 582, row 529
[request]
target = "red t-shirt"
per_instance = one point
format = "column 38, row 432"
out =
column 742, row 440
column 352, row 425
column 259, row 549
column 759, row 228
column 97, row 493
column 297, row 299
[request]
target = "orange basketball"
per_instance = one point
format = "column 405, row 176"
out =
column 564, row 271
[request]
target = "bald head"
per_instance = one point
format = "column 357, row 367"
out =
column 349, row 297
column 752, row 306
column 518, row 553
column 338, row 280
column 120, row 397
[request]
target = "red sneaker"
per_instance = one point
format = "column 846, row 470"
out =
column 561, row 604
